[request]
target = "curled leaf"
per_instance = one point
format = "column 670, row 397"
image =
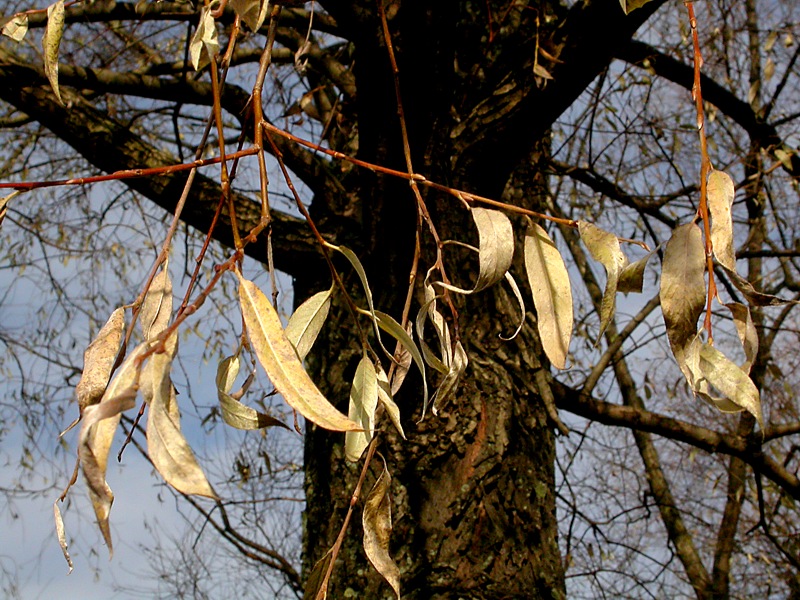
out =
column 512, row 283
column 631, row 279
column 683, row 287
column 604, row 248
column 51, row 41
column 377, row 522
column 157, row 305
column 16, row 27
column 204, row 45
column 234, row 413
column 552, row 296
column 720, row 193
column 363, row 403
column 98, row 360
column 746, row 329
column 385, row 398
column 279, row 359
column 450, row 381
column 753, row 296
column 62, row 535
column 629, row 6
column 730, row 380
column 307, row 321
column 252, row 12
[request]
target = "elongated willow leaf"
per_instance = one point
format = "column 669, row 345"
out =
column 450, row 382
column 631, row 279
column 307, row 321
column 735, row 384
column 747, row 332
column 392, row 327
column 157, row 305
column 204, row 44
column 363, row 403
column 97, row 432
column 495, row 249
column 234, row 413
column 252, row 12
column 512, row 283
column 683, row 287
column 385, row 398
column 604, row 248
column 377, row 522
column 279, row 359
column 51, row 41
column 552, row 296
column 753, row 296
column 61, row 534
column 720, row 193
column 168, row 449
column 98, row 360
column 428, row 310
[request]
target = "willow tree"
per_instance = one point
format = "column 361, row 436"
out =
column 453, row 158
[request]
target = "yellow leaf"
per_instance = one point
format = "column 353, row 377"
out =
column 377, row 522
column 279, row 359
column 720, row 193
column 51, row 42
column 98, row 360
column 363, row 403
column 157, row 305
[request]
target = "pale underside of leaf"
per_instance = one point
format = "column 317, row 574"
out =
column 279, row 359
column 604, row 248
column 307, row 321
column 385, row 398
column 402, row 358
column 234, row 413
column 631, row 279
column 746, row 330
column 98, row 360
column 157, row 305
column 168, row 449
column 51, row 40
column 552, row 296
column 252, row 12
column 731, row 381
column 61, row 534
column 363, row 403
column 97, row 433
column 450, row 382
column 683, row 289
column 16, row 27
column 377, row 523
column 512, row 283
column 720, row 193
column 204, row 44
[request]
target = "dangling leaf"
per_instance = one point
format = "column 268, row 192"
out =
column 392, row 327
column 720, row 193
column 628, row 6
column 700, row 386
column 204, row 45
column 234, row 413
column 51, row 41
column 16, row 27
column 428, row 309
column 377, row 523
column 168, row 449
column 753, row 296
column 730, row 380
column 552, row 296
column 604, row 248
column 307, row 321
column 450, row 381
column 512, row 283
column 363, row 403
column 683, row 287
column 97, row 432
column 631, row 279
column 316, row 584
column 157, row 305
column 495, row 251
column 252, row 12
column 747, row 332
column 279, row 359
column 62, row 535
column 385, row 398
column 98, row 360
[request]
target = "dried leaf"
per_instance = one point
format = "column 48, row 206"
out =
column 495, row 251
column 512, row 283
column 97, row 432
column 307, row 321
column 785, row 156
column 683, row 287
column 428, row 309
column 402, row 358
column 720, row 193
column 552, row 296
column 51, row 42
column 631, row 279
column 16, row 27
column 98, row 360
column 377, row 523
column 730, row 380
column 204, row 45
column 628, row 6
column 604, row 248
column 62, row 536
column 157, row 305
column 392, row 327
column 385, row 397
column 748, row 334
column 753, row 296
column 363, row 403
column 234, row 413
column 168, row 449
column 279, row 359
column 316, row 584
column 252, row 12
column 450, row 382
